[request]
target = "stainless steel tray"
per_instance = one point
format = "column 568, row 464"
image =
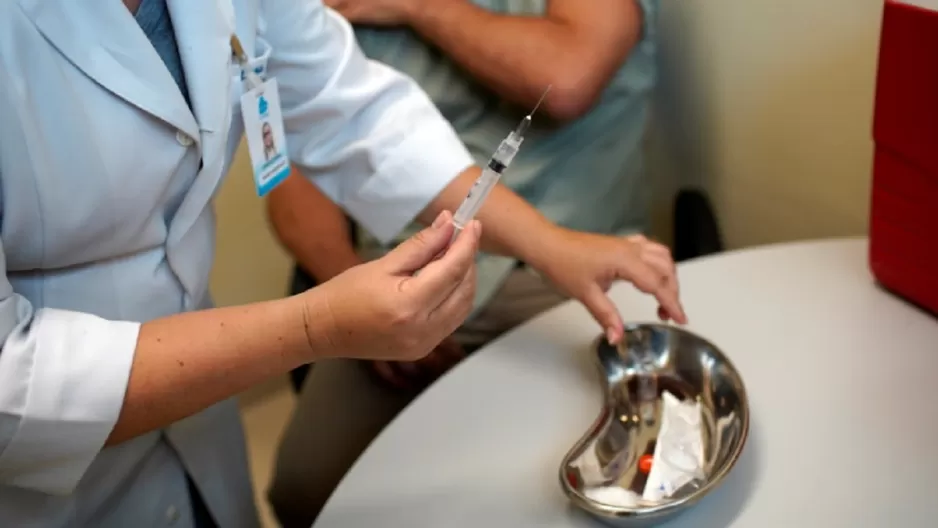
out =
column 605, row 462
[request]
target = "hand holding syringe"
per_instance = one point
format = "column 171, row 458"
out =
column 645, row 263
column 492, row 172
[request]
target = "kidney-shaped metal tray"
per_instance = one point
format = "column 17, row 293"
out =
column 606, row 471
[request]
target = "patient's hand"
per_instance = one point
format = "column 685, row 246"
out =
column 417, row 375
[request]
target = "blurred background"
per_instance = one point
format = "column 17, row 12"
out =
column 766, row 106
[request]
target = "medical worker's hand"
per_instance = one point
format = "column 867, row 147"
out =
column 375, row 12
column 381, row 310
column 584, row 266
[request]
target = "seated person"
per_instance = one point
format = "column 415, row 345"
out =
column 485, row 65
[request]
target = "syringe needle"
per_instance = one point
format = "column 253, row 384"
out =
column 539, row 101
column 492, row 172
column 526, row 122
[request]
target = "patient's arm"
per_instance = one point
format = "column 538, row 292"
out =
column 312, row 228
column 577, row 46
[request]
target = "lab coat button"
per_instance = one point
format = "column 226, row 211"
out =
column 184, row 139
column 172, row 514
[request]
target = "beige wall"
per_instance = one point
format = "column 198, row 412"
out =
column 767, row 104
column 249, row 264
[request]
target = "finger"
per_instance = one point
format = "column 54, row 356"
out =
column 669, row 299
column 661, row 251
column 420, row 249
column 656, row 276
column 671, row 289
column 662, row 255
column 454, row 310
column 668, row 283
column 643, row 276
column 605, row 312
column 439, row 279
column 662, row 265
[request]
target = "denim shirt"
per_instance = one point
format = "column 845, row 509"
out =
column 586, row 175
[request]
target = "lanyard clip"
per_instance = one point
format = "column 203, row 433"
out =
column 237, row 51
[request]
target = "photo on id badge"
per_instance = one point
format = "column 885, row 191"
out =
column 263, row 126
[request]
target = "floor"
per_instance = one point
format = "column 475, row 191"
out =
column 265, row 410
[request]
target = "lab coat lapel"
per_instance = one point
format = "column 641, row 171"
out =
column 203, row 32
column 103, row 40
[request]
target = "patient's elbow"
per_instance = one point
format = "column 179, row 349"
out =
column 572, row 95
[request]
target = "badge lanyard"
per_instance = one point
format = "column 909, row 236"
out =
column 263, row 125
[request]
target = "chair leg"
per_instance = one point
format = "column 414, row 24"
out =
column 298, row 376
column 696, row 232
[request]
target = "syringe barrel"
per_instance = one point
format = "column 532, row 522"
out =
column 483, row 186
column 477, row 195
column 506, row 151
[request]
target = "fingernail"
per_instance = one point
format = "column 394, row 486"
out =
column 440, row 220
column 611, row 336
column 477, row 228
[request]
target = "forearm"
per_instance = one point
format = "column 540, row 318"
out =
column 508, row 53
column 510, row 225
column 187, row 362
column 494, row 48
column 312, row 228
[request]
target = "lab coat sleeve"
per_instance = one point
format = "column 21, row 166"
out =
column 366, row 134
column 62, row 381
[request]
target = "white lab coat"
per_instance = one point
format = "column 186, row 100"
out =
column 106, row 182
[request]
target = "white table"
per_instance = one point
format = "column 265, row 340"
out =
column 822, row 350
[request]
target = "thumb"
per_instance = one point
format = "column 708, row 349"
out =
column 605, row 312
column 420, row 249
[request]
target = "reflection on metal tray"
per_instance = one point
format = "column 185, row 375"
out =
column 657, row 372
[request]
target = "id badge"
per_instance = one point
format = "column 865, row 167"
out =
column 263, row 128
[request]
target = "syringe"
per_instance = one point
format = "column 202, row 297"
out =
column 493, row 171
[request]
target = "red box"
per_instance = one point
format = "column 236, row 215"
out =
column 904, row 212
